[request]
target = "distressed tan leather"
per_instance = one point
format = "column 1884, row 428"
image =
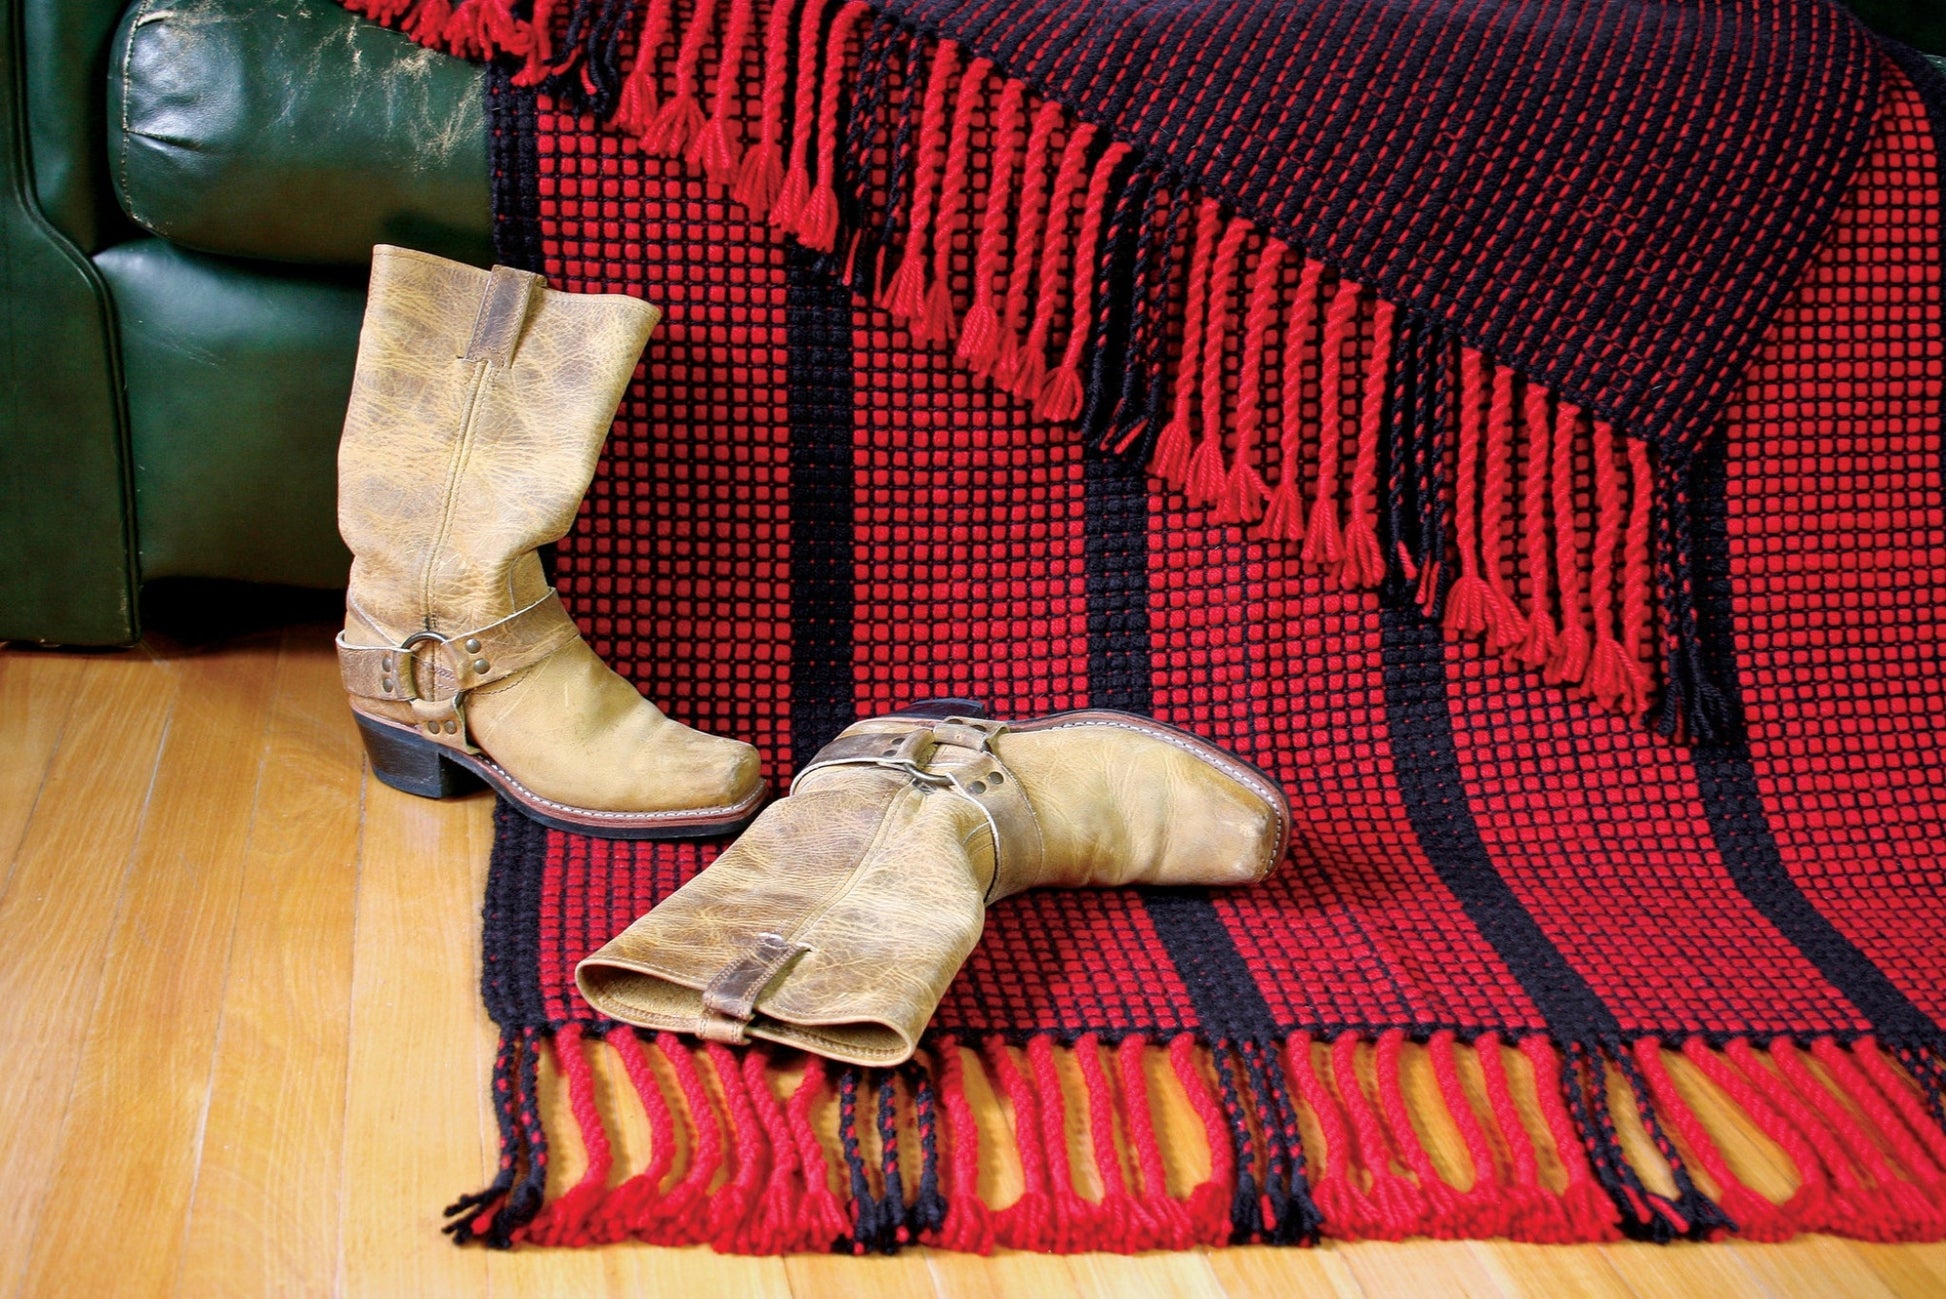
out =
column 479, row 407
column 839, row 918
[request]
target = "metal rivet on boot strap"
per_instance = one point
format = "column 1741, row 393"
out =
column 473, row 645
column 451, row 727
column 995, row 778
column 387, row 662
column 977, row 787
column 432, row 728
column 387, row 684
column 479, row 665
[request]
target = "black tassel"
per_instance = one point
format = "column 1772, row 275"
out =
column 861, row 130
column 1137, row 419
column 891, row 233
column 1246, row 1206
column 1116, row 287
column 464, row 1211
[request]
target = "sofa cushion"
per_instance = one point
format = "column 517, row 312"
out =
column 237, row 376
column 293, row 131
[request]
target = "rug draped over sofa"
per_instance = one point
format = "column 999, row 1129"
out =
column 1517, row 427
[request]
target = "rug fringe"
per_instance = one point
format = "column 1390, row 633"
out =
column 1036, row 296
column 1354, row 1135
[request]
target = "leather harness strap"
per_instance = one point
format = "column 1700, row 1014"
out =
column 956, row 754
column 458, row 663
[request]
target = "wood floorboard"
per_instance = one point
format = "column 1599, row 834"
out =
column 249, row 1056
column 133, row 1131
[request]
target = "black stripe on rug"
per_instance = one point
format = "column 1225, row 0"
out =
column 818, row 370
column 1734, row 806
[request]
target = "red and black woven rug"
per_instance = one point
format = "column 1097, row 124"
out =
column 1411, row 560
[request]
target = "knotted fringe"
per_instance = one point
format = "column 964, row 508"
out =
column 1086, row 281
column 1353, row 1136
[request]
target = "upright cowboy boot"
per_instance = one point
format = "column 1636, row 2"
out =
column 480, row 404
column 838, row 919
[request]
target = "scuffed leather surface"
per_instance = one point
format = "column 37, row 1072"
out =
column 451, row 474
column 237, row 376
column 883, row 879
column 293, row 131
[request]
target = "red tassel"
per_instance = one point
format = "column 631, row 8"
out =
column 1637, row 620
column 787, row 212
column 953, row 193
column 1401, row 1207
column 761, row 178
column 1209, row 1203
column 1028, row 239
column 1351, row 1215
column 1071, row 1217
column 427, row 22
column 969, row 1224
column 1538, row 648
column 1810, row 1205
column 1851, row 1197
column 1535, row 1213
column 717, row 147
column 483, row 29
column 540, row 50
column 907, row 298
column 1323, row 542
column 979, row 340
column 1868, row 1058
column 1590, row 1214
column 1756, row 1217
column 1025, row 1223
column 681, row 119
column 565, row 1221
column 1031, row 378
column 778, row 1225
column 1902, row 1208
column 817, row 220
column 1061, row 396
column 1505, row 627
column 705, row 1146
column 1244, row 493
column 635, row 110
column 1447, row 1215
column 1569, row 663
column 823, row 1216
column 1486, row 1209
column 1119, row 1225
column 1468, row 600
column 1172, row 453
column 1283, row 518
column 628, row 1206
column 1170, row 1216
column 731, row 1220
column 1608, row 680
column 1207, row 475
column 1364, row 565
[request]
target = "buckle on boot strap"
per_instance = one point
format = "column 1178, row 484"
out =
column 463, row 662
column 954, row 754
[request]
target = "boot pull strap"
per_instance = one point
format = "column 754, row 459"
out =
column 730, row 1000
column 467, row 661
column 955, row 753
column 503, row 311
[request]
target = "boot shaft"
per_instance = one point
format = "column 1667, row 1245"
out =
column 478, row 410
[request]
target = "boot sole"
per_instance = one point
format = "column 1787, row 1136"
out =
column 1242, row 769
column 406, row 761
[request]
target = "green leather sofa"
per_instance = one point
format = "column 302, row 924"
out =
column 192, row 189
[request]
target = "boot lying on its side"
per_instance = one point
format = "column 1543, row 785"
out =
column 479, row 406
column 838, row 919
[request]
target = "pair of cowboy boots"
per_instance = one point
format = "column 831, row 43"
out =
column 479, row 408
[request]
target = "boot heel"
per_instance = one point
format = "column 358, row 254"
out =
column 416, row 766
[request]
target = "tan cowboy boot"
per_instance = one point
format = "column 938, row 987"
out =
column 479, row 407
column 837, row 920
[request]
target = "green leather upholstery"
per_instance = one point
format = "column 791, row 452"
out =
column 66, row 560
column 174, row 413
column 285, row 129
column 237, row 381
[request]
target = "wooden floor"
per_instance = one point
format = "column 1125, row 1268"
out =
column 245, row 1053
